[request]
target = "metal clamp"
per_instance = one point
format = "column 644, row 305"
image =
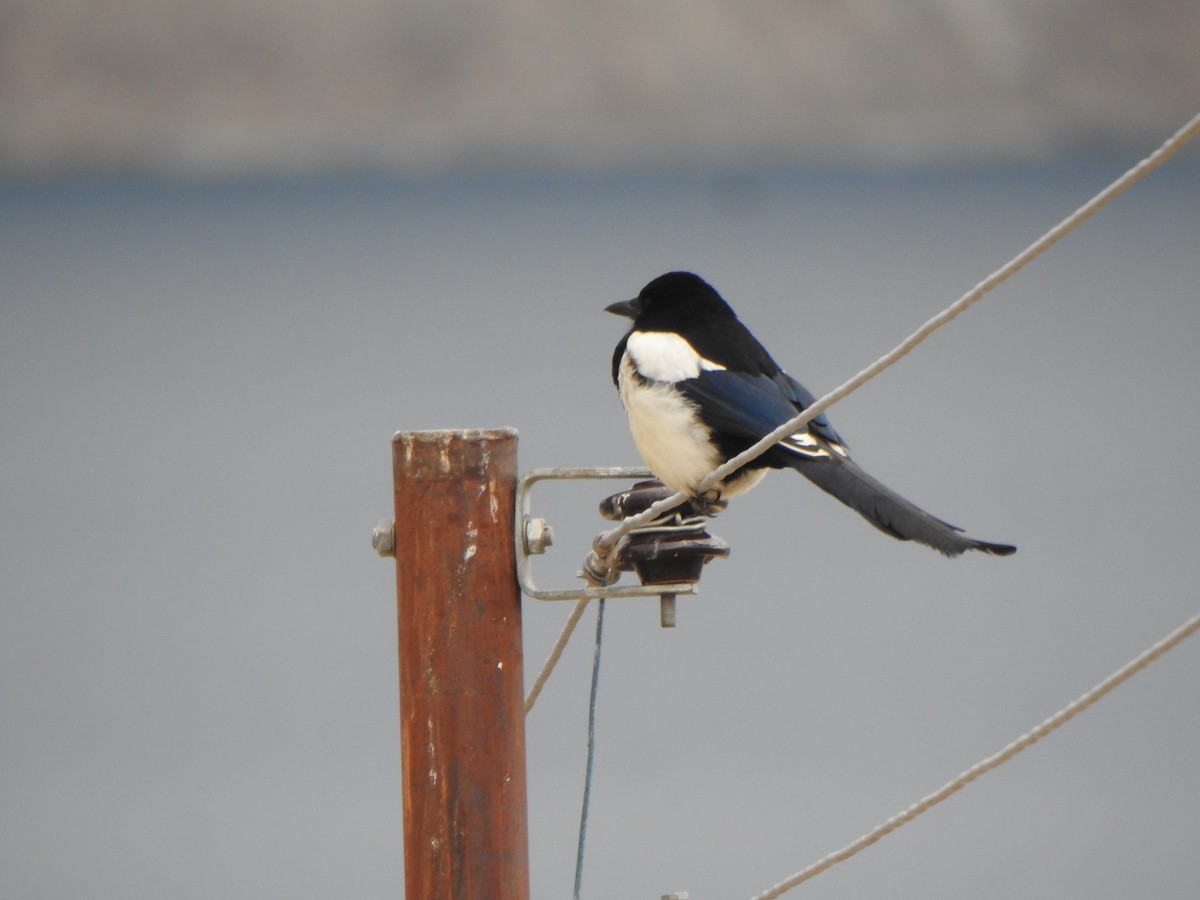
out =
column 533, row 536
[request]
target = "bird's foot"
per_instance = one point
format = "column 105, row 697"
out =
column 709, row 503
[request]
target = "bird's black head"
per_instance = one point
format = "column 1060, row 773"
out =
column 671, row 300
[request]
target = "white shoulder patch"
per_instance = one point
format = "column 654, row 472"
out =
column 664, row 356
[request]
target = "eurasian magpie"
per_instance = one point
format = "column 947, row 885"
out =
column 699, row 389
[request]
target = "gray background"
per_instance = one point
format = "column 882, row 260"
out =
column 200, row 373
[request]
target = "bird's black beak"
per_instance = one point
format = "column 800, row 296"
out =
column 627, row 308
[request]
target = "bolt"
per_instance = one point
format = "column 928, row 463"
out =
column 538, row 536
column 383, row 538
column 666, row 616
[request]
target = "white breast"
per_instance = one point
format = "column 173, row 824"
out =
column 668, row 434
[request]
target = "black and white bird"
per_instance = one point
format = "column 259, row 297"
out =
column 698, row 389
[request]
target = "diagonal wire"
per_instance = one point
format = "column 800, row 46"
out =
column 1127, row 671
column 555, row 653
column 610, row 538
column 1026, row 256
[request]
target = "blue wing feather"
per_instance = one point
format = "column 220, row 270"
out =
column 750, row 406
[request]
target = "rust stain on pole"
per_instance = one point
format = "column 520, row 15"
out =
column 462, row 723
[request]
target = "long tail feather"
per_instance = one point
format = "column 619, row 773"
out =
column 887, row 510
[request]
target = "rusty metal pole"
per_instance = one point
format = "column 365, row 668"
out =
column 462, row 722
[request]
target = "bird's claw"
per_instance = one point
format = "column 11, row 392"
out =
column 709, row 503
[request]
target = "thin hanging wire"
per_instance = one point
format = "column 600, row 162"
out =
column 591, row 749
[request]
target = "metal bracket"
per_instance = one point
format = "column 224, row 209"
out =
column 524, row 565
